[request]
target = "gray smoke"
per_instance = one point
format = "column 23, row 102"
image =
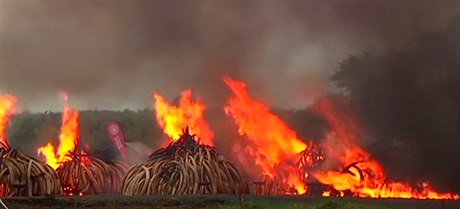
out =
column 113, row 54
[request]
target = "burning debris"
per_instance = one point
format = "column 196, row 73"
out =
column 267, row 185
column 80, row 173
column 361, row 180
column 85, row 175
column 360, row 175
column 309, row 159
column 272, row 147
column 185, row 166
column 21, row 174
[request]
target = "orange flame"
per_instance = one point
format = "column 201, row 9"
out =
column 275, row 144
column 7, row 107
column 68, row 138
column 173, row 119
column 366, row 178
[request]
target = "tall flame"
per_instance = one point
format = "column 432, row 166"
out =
column 7, row 107
column 68, row 137
column 275, row 144
column 365, row 177
column 173, row 119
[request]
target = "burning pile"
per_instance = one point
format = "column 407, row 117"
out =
column 358, row 174
column 187, row 165
column 309, row 160
column 184, row 167
column 188, row 113
column 80, row 173
column 272, row 147
column 85, row 175
column 21, row 174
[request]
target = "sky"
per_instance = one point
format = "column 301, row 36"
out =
column 110, row 54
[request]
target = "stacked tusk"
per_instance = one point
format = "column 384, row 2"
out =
column 184, row 167
column 23, row 175
column 85, row 175
column 309, row 160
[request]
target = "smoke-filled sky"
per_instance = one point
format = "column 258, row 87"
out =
column 112, row 54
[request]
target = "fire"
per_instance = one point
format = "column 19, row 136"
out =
column 327, row 193
column 275, row 145
column 362, row 175
column 68, row 138
column 173, row 119
column 7, row 107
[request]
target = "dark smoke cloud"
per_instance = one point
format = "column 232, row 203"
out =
column 113, row 54
column 409, row 100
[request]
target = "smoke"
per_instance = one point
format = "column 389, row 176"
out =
column 114, row 54
column 409, row 101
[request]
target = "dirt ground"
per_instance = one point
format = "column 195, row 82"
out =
column 220, row 201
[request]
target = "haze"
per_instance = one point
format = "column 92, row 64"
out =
column 114, row 54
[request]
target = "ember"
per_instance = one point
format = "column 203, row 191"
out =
column 184, row 167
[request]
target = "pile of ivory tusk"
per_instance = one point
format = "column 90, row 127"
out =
column 184, row 167
column 23, row 175
column 308, row 160
column 84, row 175
column 271, row 186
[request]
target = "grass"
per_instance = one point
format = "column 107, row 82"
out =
column 300, row 205
column 225, row 202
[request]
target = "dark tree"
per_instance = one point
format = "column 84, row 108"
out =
column 409, row 101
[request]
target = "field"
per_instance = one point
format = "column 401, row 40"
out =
column 222, row 202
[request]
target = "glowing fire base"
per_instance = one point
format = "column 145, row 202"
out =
column 184, row 167
column 23, row 175
column 359, row 179
column 272, row 186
